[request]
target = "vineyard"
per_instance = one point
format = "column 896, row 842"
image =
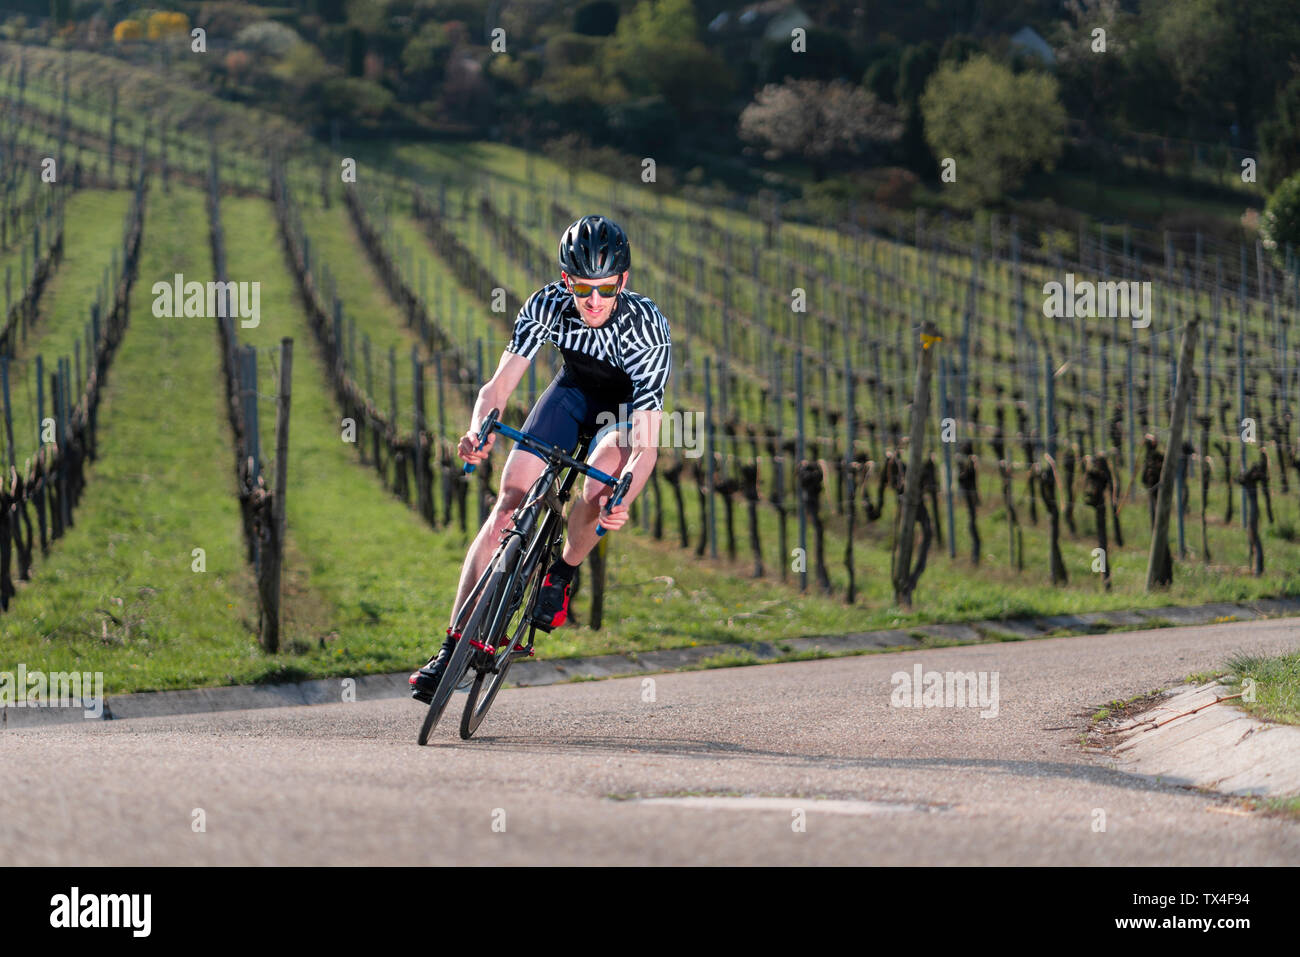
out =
column 852, row 404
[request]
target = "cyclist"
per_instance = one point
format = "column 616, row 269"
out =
column 617, row 358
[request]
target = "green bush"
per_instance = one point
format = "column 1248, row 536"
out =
column 1280, row 223
column 881, row 78
column 566, row 50
column 997, row 126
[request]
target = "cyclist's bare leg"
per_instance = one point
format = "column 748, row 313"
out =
column 611, row 457
column 521, row 471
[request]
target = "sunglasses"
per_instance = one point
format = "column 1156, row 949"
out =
column 584, row 290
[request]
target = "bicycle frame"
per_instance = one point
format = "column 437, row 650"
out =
column 537, row 539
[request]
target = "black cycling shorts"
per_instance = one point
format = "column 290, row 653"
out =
column 566, row 413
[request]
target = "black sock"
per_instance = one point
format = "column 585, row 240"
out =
column 562, row 571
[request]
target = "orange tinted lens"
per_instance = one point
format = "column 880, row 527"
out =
column 582, row 290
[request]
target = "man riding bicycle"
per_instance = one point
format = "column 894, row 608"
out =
column 617, row 358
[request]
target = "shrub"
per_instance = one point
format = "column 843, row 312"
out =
column 128, row 30
column 268, row 37
column 1280, row 223
column 997, row 126
column 896, row 190
column 566, row 50
column 164, row 24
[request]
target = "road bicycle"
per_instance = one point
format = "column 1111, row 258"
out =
column 492, row 620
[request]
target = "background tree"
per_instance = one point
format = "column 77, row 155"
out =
column 828, row 55
column 818, row 122
column 1089, row 77
column 1189, row 38
column 427, row 53
column 881, row 77
column 1279, row 137
column 996, row 125
column 656, row 50
column 915, row 67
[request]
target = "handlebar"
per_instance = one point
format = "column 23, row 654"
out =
column 488, row 423
column 492, row 423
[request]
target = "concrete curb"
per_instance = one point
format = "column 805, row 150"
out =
column 544, row 672
column 1220, row 748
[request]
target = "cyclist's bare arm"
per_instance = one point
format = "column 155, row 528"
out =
column 495, row 394
column 644, row 440
column 645, row 443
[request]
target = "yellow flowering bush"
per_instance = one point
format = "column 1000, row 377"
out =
column 167, row 24
column 127, row 30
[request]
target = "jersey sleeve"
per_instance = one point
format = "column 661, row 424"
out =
column 532, row 325
column 649, row 362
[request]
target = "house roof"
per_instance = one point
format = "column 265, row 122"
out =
column 1032, row 42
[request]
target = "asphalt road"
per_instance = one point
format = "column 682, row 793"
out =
column 818, row 765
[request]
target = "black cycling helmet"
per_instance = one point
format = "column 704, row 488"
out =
column 594, row 247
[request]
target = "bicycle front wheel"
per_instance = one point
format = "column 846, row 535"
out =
column 474, row 629
column 521, row 594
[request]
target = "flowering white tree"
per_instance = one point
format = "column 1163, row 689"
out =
column 818, row 121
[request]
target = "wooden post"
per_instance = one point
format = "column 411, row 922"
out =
column 40, row 399
column 417, row 401
column 65, row 509
column 905, row 576
column 708, row 471
column 945, row 406
column 270, row 584
column 850, row 428
column 1243, row 306
column 442, row 407
column 1160, row 564
column 392, row 385
column 799, row 458
column 9, row 420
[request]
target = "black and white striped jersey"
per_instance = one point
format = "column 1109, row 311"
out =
column 628, row 359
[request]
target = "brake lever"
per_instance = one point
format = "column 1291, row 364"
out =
column 619, row 491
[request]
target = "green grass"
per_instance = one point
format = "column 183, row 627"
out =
column 730, row 659
column 369, row 582
column 1116, row 200
column 1282, row 807
column 117, row 594
column 95, row 219
column 1276, row 685
column 368, row 306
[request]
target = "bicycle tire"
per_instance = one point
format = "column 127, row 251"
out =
column 460, row 658
column 475, row 709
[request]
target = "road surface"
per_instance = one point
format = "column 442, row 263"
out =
column 806, row 763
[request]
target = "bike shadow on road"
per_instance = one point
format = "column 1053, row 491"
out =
column 715, row 750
